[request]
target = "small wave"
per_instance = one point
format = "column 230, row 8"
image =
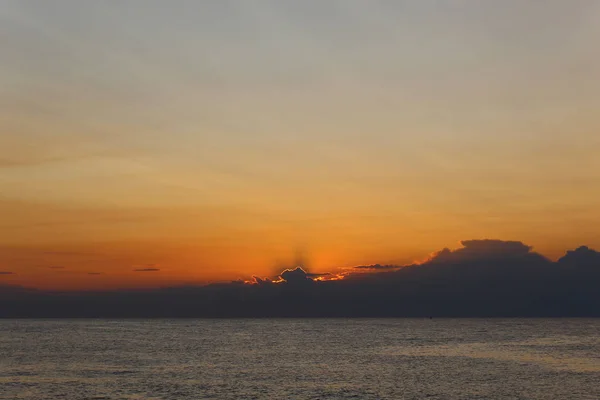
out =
column 125, row 372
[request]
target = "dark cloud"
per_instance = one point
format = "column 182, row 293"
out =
column 378, row 267
column 146, row 269
column 95, row 273
column 581, row 257
column 294, row 275
column 315, row 275
column 8, row 291
column 6, row 273
column 473, row 250
column 259, row 280
column 56, row 267
column 484, row 278
column 290, row 276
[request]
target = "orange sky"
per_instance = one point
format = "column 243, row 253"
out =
column 350, row 132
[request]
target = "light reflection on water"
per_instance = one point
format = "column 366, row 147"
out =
column 546, row 357
column 319, row 358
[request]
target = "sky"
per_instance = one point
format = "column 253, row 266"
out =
column 152, row 143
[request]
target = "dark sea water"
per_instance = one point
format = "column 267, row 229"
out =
column 305, row 359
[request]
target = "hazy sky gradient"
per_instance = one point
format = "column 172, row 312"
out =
column 219, row 139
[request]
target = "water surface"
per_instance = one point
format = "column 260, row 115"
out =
column 308, row 359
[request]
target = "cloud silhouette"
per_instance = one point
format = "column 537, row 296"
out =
column 297, row 277
column 473, row 250
column 378, row 267
column 146, row 269
column 581, row 257
column 95, row 273
column 483, row 278
column 258, row 280
column 317, row 275
column 56, row 267
column 6, row 273
column 291, row 275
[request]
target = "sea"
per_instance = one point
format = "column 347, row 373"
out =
column 300, row 359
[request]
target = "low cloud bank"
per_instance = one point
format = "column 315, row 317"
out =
column 483, row 278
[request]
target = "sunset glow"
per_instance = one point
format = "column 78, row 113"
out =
column 160, row 144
